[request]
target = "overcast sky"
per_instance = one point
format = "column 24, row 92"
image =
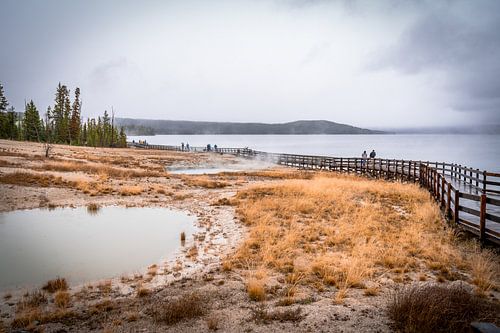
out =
column 365, row 63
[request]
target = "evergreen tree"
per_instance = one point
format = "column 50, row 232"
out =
column 75, row 121
column 61, row 114
column 32, row 127
column 62, row 123
column 122, row 138
column 3, row 114
column 12, row 131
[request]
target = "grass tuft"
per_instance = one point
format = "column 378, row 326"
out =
column 439, row 308
column 131, row 190
column 93, row 208
column 55, row 285
column 171, row 311
column 62, row 299
column 256, row 290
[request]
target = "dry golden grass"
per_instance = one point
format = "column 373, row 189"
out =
column 33, row 179
column 435, row 308
column 143, row 291
column 273, row 174
column 131, row 190
column 62, row 299
column 171, row 311
column 204, row 181
column 93, row 208
column 105, row 287
column 55, row 285
column 256, row 290
column 98, row 169
column 346, row 230
column 26, row 319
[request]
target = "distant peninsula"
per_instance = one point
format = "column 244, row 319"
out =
column 150, row 127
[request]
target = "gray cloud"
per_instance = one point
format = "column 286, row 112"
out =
column 464, row 47
column 429, row 62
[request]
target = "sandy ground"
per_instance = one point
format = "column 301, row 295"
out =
column 113, row 306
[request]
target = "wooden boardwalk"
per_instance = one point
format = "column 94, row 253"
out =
column 470, row 198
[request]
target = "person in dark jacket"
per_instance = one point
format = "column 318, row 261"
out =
column 373, row 154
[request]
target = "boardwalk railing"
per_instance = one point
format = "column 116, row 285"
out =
column 470, row 198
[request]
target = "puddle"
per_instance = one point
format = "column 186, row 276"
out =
column 38, row 245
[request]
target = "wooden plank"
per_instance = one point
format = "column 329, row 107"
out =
column 492, row 201
column 469, row 210
column 489, row 182
column 470, row 226
column 470, row 196
column 492, row 232
column 492, row 174
column 492, row 217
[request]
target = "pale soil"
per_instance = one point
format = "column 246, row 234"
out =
column 227, row 302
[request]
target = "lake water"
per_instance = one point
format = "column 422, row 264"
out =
column 477, row 151
column 38, row 245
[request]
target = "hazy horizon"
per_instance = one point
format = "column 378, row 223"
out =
column 385, row 64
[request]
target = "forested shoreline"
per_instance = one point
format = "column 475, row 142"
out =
column 61, row 123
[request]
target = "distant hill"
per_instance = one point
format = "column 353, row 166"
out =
column 205, row 127
column 478, row 129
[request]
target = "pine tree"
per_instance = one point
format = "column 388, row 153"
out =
column 12, row 131
column 122, row 138
column 3, row 114
column 61, row 115
column 66, row 119
column 31, row 123
column 75, row 125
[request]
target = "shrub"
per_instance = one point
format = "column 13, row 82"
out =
column 439, row 308
column 54, row 285
column 93, row 208
column 255, row 290
column 62, row 299
column 131, row 190
column 186, row 306
column 143, row 291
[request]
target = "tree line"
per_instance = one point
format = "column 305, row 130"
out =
column 62, row 123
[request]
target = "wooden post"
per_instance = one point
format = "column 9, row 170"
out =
column 477, row 177
column 448, row 201
column 436, row 184
column 482, row 218
column 456, row 206
column 484, row 181
column 442, row 191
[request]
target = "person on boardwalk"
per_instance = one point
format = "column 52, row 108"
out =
column 373, row 154
column 187, row 146
column 364, row 156
column 215, row 147
column 182, row 146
